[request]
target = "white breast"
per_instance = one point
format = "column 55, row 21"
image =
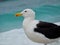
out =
column 34, row 36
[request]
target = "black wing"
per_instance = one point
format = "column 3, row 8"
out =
column 50, row 30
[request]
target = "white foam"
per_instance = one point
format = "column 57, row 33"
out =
column 16, row 37
column 58, row 23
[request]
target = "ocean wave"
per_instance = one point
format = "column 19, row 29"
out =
column 49, row 13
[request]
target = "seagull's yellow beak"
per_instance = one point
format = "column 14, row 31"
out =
column 18, row 14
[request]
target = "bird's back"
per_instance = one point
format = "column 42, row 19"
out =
column 50, row 30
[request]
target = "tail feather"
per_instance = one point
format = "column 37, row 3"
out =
column 59, row 30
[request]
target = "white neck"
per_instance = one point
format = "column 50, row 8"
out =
column 27, row 20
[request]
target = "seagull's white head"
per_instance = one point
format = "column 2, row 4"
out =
column 26, row 13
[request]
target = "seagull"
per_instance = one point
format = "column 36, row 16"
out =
column 39, row 31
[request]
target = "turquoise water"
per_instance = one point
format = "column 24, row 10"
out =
column 47, row 13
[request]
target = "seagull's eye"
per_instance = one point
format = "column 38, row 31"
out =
column 25, row 11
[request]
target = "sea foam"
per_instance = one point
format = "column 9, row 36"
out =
column 15, row 37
